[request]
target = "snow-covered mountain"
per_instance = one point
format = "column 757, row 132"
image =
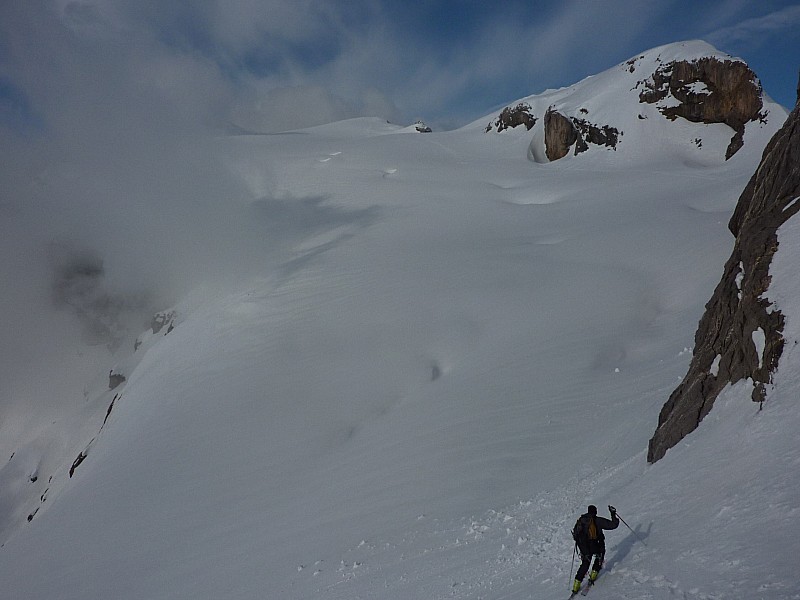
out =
column 450, row 344
column 624, row 108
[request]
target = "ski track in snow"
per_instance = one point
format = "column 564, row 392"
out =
column 501, row 554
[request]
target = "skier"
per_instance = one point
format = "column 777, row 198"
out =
column 589, row 538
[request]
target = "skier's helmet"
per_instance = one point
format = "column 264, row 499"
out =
column 592, row 509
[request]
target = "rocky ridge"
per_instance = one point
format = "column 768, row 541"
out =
column 707, row 90
column 740, row 334
column 630, row 107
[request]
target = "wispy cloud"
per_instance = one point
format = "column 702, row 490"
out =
column 268, row 64
column 507, row 54
column 757, row 30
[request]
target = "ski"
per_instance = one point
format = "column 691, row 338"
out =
column 583, row 591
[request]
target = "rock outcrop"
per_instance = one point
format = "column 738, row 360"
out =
column 740, row 334
column 422, row 127
column 163, row 319
column 511, row 117
column 160, row 321
column 75, row 464
column 707, row 90
column 599, row 135
column 562, row 132
column 559, row 135
column 115, row 380
column 686, row 99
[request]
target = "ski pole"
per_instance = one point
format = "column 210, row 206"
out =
column 632, row 531
column 572, row 567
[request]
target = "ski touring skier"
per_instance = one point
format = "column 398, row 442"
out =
column 590, row 542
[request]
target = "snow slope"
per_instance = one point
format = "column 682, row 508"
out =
column 611, row 99
column 447, row 351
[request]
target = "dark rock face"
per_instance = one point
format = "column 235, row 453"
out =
column 708, row 91
column 561, row 132
column 519, row 115
column 110, row 408
column 600, row 135
column 559, row 135
column 76, row 463
column 115, row 380
column 737, row 314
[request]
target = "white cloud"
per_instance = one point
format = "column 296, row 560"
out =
column 273, row 109
column 242, row 23
column 756, row 30
column 276, row 63
column 719, row 13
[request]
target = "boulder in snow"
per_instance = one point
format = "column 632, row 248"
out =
column 562, row 132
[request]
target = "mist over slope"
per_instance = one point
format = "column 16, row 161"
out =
column 399, row 365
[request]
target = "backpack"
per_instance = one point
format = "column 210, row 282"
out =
column 585, row 529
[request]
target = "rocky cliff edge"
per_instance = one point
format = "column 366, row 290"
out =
column 740, row 334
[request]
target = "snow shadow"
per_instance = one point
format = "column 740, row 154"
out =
column 309, row 226
column 623, row 549
column 293, row 218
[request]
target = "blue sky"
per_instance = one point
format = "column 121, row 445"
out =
column 276, row 64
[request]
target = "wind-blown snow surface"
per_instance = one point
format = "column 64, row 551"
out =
column 451, row 351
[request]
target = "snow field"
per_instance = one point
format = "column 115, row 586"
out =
column 440, row 353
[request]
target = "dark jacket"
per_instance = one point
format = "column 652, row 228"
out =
column 601, row 523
